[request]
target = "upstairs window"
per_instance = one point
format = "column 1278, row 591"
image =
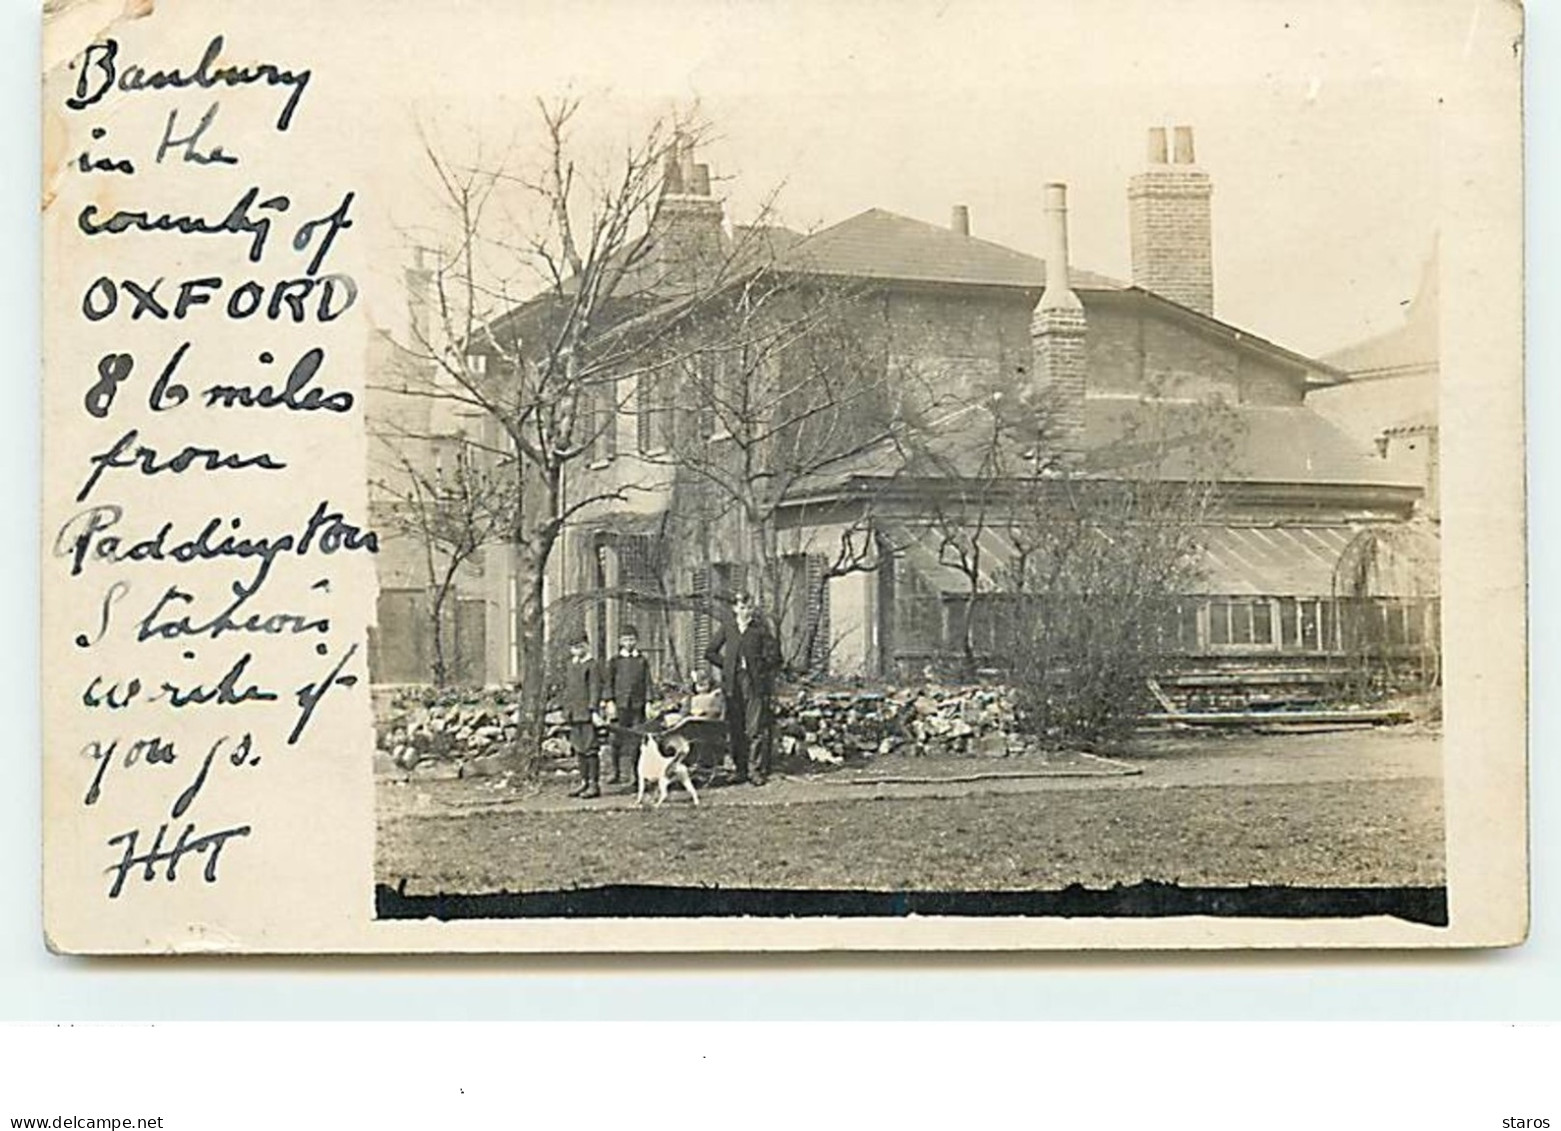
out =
column 653, row 412
column 599, row 421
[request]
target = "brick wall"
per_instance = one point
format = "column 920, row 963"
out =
column 960, row 345
column 1131, row 354
column 967, row 344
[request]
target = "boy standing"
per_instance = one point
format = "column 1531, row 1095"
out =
column 627, row 690
column 582, row 692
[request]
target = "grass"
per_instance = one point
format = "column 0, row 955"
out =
column 1325, row 834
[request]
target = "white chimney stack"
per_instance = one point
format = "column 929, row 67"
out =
column 1058, row 294
column 1058, row 340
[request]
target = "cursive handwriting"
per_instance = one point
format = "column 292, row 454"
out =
column 146, row 460
column 157, row 625
column 226, row 692
column 101, row 72
column 86, row 535
column 237, row 221
column 295, row 393
column 154, row 749
column 210, row 846
column 193, row 156
column 310, row 694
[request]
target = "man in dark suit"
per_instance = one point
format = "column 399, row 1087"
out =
column 749, row 657
column 627, row 689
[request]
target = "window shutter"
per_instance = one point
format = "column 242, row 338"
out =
column 609, row 419
column 699, row 592
column 644, row 405
column 817, row 621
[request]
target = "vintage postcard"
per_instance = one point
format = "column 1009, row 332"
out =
column 792, row 476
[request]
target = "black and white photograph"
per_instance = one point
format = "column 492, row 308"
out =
column 979, row 485
column 695, row 476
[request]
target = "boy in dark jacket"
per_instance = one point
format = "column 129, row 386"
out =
column 582, row 694
column 627, row 689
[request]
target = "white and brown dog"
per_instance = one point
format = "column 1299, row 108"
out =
column 661, row 764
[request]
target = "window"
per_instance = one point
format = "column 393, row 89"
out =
column 599, row 421
column 1241, row 622
column 1306, row 624
column 1388, row 625
column 712, row 388
column 653, row 412
column 918, row 612
column 728, row 579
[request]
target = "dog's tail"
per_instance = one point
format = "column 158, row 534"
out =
column 679, row 747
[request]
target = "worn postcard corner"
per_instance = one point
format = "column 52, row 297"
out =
column 674, row 477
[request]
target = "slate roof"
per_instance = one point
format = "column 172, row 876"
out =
column 882, row 245
column 1266, row 445
column 1271, row 443
column 1410, row 348
column 1413, row 347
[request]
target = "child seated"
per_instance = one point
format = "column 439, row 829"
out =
column 706, row 702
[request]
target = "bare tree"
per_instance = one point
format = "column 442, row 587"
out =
column 1072, row 569
column 991, row 481
column 1104, row 561
column 776, row 385
column 550, row 291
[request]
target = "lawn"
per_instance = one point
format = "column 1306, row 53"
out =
column 1325, row 834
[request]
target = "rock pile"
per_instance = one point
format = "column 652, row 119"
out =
column 814, row 727
column 834, row 726
column 446, row 726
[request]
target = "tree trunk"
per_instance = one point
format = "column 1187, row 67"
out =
column 967, row 637
column 441, row 669
column 530, row 630
column 534, row 552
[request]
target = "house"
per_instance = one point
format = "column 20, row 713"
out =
column 870, row 593
column 1388, row 397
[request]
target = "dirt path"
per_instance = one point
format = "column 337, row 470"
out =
column 1157, row 762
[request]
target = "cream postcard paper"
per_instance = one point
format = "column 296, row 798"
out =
column 707, row 477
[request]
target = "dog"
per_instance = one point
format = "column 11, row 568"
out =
column 659, row 767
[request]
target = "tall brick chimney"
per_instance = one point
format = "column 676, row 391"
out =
column 1057, row 339
column 687, row 234
column 1170, row 223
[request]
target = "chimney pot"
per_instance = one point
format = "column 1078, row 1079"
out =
column 699, row 183
column 960, row 220
column 1170, row 225
column 1157, row 146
